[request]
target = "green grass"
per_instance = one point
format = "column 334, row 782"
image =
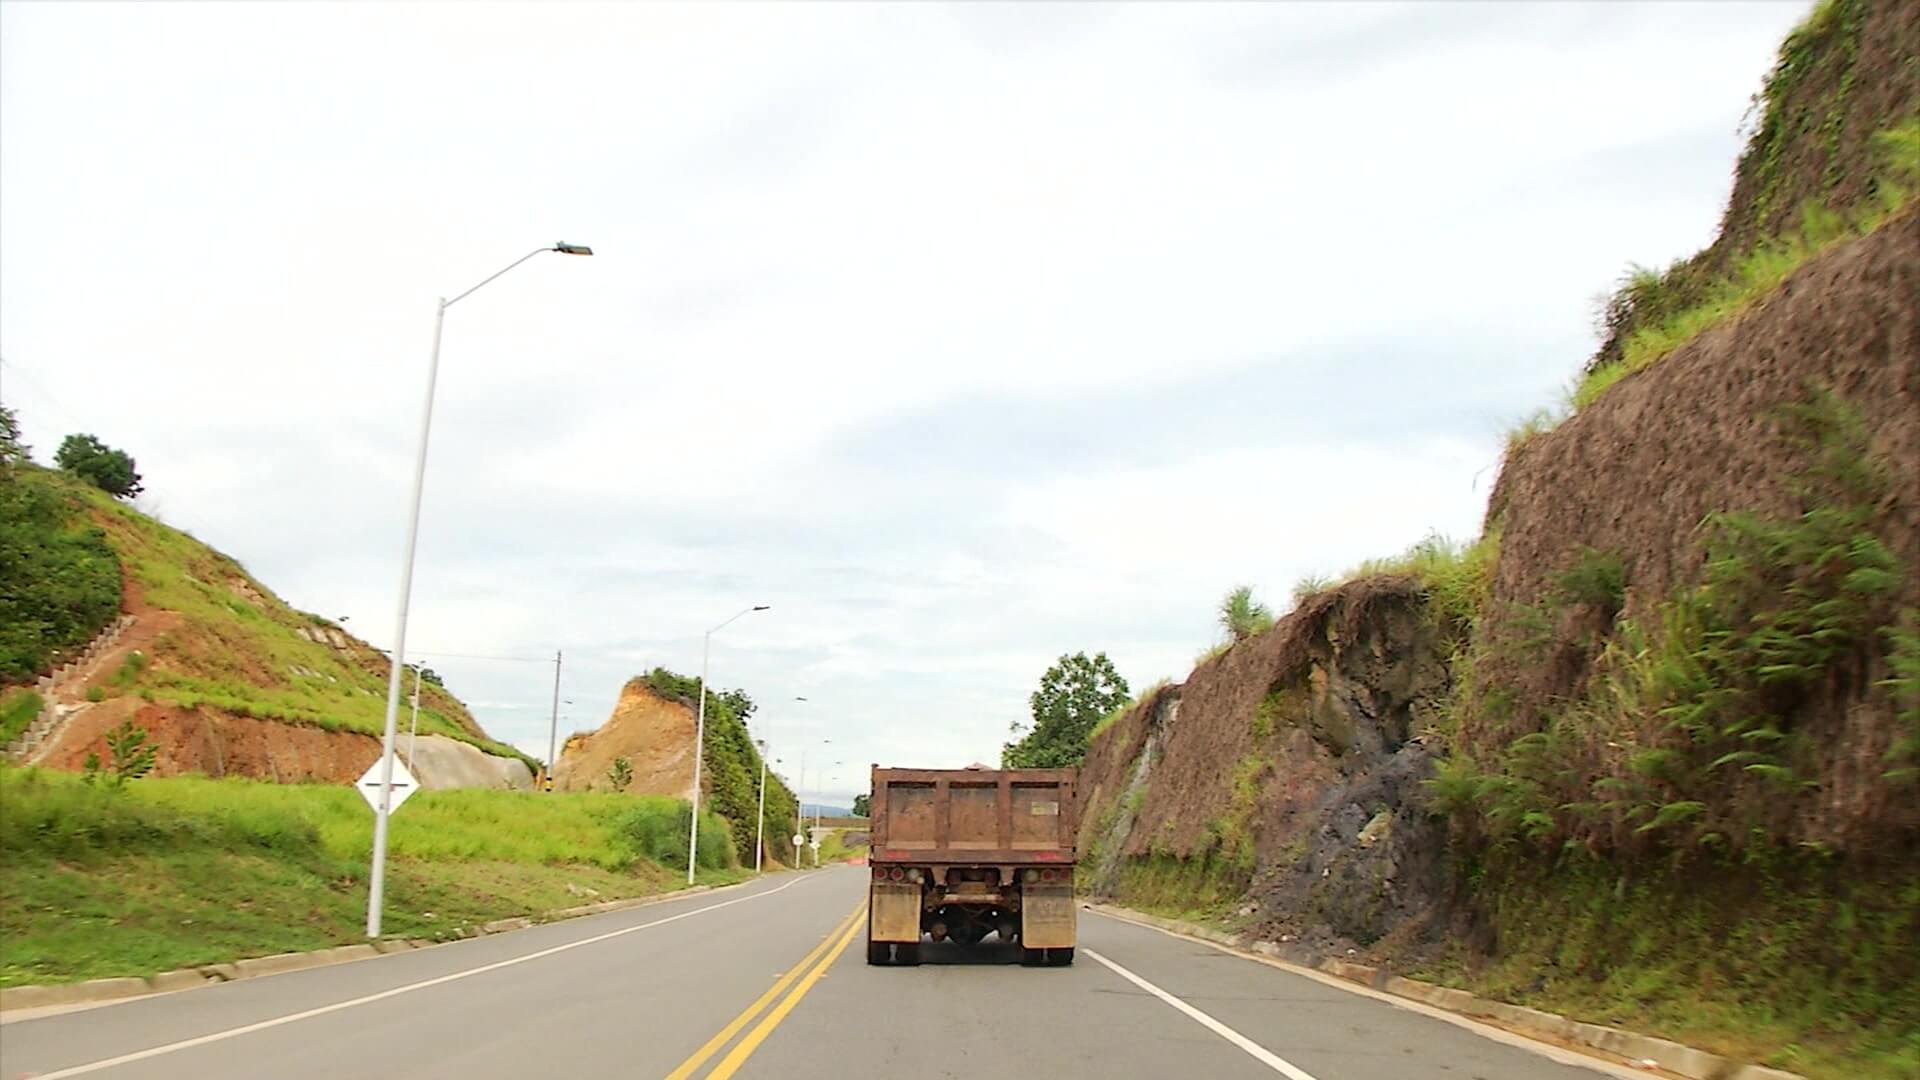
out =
column 1793, row 961
column 1204, row 889
column 183, row 871
column 1454, row 574
column 17, row 710
column 1760, row 271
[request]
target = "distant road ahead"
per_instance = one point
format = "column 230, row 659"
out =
column 769, row 981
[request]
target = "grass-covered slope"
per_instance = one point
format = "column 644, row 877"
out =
column 100, row 881
column 234, row 646
column 59, row 578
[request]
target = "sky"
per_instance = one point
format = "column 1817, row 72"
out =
column 964, row 336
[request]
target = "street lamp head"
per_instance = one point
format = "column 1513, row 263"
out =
column 761, row 607
column 572, row 249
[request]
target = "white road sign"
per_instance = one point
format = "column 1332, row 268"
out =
column 403, row 785
column 797, row 840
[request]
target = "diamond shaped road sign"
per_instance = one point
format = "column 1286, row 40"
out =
column 403, row 785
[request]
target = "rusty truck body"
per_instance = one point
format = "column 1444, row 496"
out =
column 958, row 854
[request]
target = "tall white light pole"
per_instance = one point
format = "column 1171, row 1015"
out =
column 376, row 879
column 699, row 740
column 760, row 820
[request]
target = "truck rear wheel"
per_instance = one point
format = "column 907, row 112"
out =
column 1061, row 957
column 890, row 953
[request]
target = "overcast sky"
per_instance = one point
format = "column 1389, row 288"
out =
column 963, row 335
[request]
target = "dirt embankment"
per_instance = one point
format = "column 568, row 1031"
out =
column 655, row 735
column 213, row 743
column 1636, row 473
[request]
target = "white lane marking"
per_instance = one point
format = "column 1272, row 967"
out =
column 1255, row 1050
column 218, row 1036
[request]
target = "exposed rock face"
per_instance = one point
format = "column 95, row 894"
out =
column 653, row 733
column 440, row 762
column 1323, row 715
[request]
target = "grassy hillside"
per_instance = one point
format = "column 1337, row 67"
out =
column 59, row 578
column 1818, row 162
column 237, row 647
column 98, row 881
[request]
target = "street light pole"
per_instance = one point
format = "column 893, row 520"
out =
column 760, row 819
column 376, row 879
column 699, row 740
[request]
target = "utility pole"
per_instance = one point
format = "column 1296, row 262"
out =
column 553, row 727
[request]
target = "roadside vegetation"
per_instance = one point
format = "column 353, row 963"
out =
column 62, row 579
column 101, row 879
column 1074, row 696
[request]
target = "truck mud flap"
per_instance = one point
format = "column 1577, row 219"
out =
column 895, row 915
column 1047, row 917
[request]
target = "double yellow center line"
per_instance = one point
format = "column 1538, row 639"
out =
column 814, row 965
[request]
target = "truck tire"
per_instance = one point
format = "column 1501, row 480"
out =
column 878, row 954
column 1046, row 957
column 907, row 955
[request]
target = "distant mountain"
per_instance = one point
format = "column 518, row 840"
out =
column 825, row 810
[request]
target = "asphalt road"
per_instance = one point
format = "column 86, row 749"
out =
column 771, row 981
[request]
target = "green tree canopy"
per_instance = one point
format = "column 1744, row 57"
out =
column 1074, row 695
column 106, row 468
column 863, row 805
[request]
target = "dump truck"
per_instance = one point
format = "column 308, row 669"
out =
column 958, row 854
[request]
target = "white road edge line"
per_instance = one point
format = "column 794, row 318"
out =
column 218, row 1036
column 1259, row 1053
column 1559, row 1054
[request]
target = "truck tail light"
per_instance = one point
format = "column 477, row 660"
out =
column 897, row 874
column 1031, row 876
column 1047, row 875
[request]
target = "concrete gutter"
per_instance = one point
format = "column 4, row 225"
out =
column 65, row 997
column 1642, row 1052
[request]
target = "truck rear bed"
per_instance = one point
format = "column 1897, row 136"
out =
column 1023, row 817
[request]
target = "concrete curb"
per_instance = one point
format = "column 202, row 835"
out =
column 92, row 991
column 1673, row 1057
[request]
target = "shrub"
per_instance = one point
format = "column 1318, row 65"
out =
column 106, row 468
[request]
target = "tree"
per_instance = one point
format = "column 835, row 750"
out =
column 1073, row 696
column 12, row 450
column 620, row 773
column 1242, row 616
column 110, row 470
column 862, row 806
